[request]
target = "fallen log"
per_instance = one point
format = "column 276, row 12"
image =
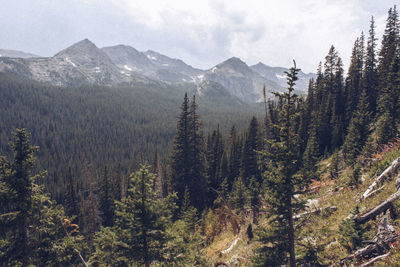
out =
column 374, row 192
column 382, row 207
column 384, row 176
column 220, row 264
column 379, row 245
column 373, row 250
column 316, row 210
column 375, row 260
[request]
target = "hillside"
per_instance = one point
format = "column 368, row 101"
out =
column 327, row 235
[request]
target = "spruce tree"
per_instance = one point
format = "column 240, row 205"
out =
column 358, row 130
column 388, row 103
column 234, row 150
column 180, row 159
column 249, row 156
column 71, row 201
column 282, row 184
column 353, row 81
column 141, row 221
column 389, row 46
column 197, row 180
column 32, row 232
column 370, row 73
column 106, row 200
column 17, row 179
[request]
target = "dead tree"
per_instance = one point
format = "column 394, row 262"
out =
column 377, row 246
column 385, row 175
column 382, row 207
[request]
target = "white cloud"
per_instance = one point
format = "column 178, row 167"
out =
column 202, row 33
column 270, row 31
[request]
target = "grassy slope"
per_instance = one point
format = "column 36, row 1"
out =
column 323, row 228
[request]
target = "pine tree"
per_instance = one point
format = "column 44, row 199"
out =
column 234, row 150
column 249, row 156
column 389, row 46
column 239, row 196
column 180, row 165
column 71, row 201
column 117, row 183
column 282, row 184
column 353, row 81
column 141, row 221
column 370, row 73
column 214, row 156
column 17, row 180
column 358, row 130
column 106, row 200
column 188, row 166
column 388, row 103
column 311, row 154
column 32, row 230
column 197, row 182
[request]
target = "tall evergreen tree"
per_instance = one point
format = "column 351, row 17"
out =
column 141, row 221
column 197, row 182
column 370, row 73
column 358, row 130
column 389, row 46
column 282, row 184
column 32, row 231
column 71, row 201
column 17, row 178
column 234, row 150
column 214, row 154
column 106, row 200
column 249, row 156
column 388, row 103
column 353, row 79
column 187, row 166
column 180, row 160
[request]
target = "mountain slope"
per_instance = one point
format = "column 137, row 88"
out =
column 240, row 80
column 277, row 75
column 84, row 63
column 80, row 63
column 15, row 54
column 129, row 59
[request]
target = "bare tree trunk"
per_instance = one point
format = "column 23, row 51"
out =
column 384, row 175
column 292, row 259
column 382, row 207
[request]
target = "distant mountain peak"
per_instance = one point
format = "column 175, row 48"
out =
column 234, row 60
column 82, row 46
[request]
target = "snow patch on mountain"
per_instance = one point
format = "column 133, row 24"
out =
column 127, row 67
column 70, row 61
column 151, row 57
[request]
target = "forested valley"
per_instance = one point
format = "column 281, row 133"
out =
column 99, row 176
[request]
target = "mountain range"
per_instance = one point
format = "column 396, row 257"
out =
column 85, row 63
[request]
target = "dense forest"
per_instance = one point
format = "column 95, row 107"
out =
column 125, row 188
column 92, row 126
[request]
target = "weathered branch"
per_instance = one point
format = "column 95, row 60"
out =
column 384, row 176
column 382, row 207
column 379, row 245
column 220, row 264
column 317, row 210
column 374, row 192
column 375, row 259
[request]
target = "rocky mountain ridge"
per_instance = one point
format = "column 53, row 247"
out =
column 84, row 62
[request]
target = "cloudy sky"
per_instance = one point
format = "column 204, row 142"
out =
column 201, row 32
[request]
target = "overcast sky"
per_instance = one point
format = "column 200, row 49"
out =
column 202, row 32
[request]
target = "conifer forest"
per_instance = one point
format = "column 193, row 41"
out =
column 159, row 173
